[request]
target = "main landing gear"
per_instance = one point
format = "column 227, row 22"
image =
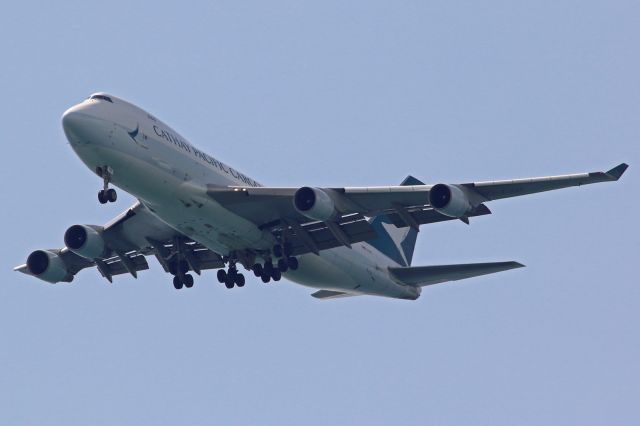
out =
column 269, row 271
column 181, row 278
column 232, row 277
column 106, row 194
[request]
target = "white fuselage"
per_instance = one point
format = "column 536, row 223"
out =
column 169, row 176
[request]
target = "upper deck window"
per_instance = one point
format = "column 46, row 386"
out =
column 103, row 97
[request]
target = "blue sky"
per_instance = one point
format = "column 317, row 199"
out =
column 334, row 94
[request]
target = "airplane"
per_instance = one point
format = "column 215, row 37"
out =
column 194, row 213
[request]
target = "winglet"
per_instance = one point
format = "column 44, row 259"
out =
column 617, row 171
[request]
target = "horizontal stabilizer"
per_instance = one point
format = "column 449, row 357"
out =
column 328, row 294
column 618, row 171
column 427, row 275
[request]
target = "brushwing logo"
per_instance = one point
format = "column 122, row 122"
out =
column 134, row 133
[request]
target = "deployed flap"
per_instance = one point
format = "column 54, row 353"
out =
column 328, row 294
column 427, row 275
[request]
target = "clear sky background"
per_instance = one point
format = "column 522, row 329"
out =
column 334, row 93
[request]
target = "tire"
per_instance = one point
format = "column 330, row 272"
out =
column 111, row 195
column 184, row 266
column 267, row 268
column 228, row 283
column 257, row 269
column 177, row 282
column 188, row 280
column 276, row 275
column 222, row 276
column 101, row 197
column 239, row 280
column 293, row 263
column 282, row 265
column 265, row 278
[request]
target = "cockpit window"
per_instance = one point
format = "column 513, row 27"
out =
column 103, row 97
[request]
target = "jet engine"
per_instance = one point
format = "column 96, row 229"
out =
column 85, row 241
column 47, row 266
column 314, row 203
column 449, row 200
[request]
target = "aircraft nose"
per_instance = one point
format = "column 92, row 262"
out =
column 76, row 114
column 76, row 123
column 71, row 119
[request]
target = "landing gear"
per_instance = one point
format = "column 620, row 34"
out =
column 231, row 278
column 270, row 272
column 282, row 249
column 292, row 262
column 282, row 265
column 188, row 280
column 106, row 194
column 179, row 268
column 184, row 280
column 177, row 282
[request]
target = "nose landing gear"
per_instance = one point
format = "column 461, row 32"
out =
column 106, row 194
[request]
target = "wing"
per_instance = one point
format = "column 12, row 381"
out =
column 316, row 218
column 128, row 239
column 494, row 190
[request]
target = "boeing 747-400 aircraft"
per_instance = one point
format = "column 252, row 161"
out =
column 195, row 212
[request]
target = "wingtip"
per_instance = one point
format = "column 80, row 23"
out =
column 617, row 171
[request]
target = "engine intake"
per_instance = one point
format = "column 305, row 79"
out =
column 449, row 200
column 47, row 266
column 85, row 241
column 314, row 203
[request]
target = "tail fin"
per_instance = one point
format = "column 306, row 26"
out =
column 395, row 243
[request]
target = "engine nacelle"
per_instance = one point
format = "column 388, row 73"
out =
column 47, row 266
column 449, row 200
column 314, row 203
column 85, row 241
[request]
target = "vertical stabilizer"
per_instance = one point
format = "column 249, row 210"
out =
column 395, row 243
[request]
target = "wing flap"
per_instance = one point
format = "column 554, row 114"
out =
column 428, row 275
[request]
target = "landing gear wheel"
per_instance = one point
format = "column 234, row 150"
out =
column 239, row 280
column 177, row 282
column 282, row 265
column 101, row 197
column 292, row 262
column 276, row 275
column 111, row 195
column 228, row 283
column 267, row 268
column 265, row 278
column 222, row 276
column 188, row 280
column 257, row 269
